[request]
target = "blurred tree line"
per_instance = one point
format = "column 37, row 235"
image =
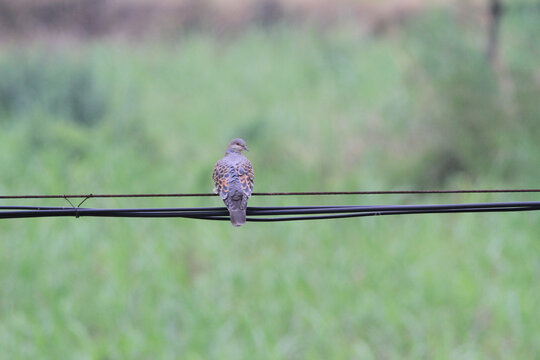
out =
column 163, row 18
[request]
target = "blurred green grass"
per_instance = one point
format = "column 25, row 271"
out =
column 320, row 111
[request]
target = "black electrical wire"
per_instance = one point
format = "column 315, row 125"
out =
column 257, row 214
column 302, row 193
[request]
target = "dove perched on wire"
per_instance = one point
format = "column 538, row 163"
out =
column 233, row 180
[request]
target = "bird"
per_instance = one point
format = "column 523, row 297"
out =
column 233, row 179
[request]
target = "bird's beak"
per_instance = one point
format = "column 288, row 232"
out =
column 246, row 148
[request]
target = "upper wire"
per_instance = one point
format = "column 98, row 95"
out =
column 301, row 193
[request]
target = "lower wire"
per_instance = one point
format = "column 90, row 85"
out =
column 256, row 214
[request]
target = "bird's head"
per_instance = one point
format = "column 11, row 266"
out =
column 237, row 146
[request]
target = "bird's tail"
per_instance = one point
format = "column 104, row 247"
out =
column 236, row 203
column 238, row 217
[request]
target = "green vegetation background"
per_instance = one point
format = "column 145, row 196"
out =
column 320, row 111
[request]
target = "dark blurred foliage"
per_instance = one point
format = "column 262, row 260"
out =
column 53, row 85
column 469, row 119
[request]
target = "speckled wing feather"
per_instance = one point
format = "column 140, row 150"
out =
column 221, row 178
column 245, row 175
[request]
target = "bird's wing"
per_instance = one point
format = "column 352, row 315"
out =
column 245, row 175
column 221, row 178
